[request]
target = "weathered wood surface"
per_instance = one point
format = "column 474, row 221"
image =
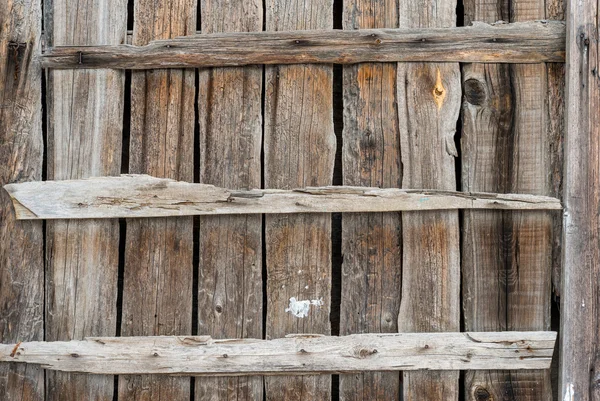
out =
column 134, row 195
column 580, row 297
column 21, row 144
column 230, row 294
column 157, row 287
column 429, row 97
column 506, row 256
column 527, row 42
column 371, row 242
column 298, row 354
column 85, row 120
column 299, row 150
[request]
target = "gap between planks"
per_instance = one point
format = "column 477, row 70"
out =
column 519, row 42
column 297, row 353
column 132, row 195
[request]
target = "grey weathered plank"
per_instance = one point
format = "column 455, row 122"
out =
column 85, row 118
column 371, row 242
column 580, row 325
column 157, row 287
column 134, row 195
column 506, row 256
column 429, row 98
column 298, row 354
column 230, row 295
column 526, row 42
column 299, row 149
column 21, row 144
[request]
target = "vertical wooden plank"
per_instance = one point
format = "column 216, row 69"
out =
column 157, row 287
column 85, row 118
column 230, row 295
column 21, row 147
column 371, row 242
column 507, row 257
column 580, row 298
column 428, row 105
column 299, row 151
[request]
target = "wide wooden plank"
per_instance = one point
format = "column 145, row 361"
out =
column 21, row 148
column 299, row 353
column 371, row 242
column 429, row 97
column 230, row 294
column 527, row 42
column 299, row 150
column 580, row 300
column 157, row 287
column 134, row 195
column 507, row 256
column 85, row 120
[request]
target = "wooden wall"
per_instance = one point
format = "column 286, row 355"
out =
column 470, row 127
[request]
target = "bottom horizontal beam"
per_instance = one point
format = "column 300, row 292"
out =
column 297, row 354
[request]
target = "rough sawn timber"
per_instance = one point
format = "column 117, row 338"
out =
column 145, row 196
column 85, row 124
column 158, row 272
column 230, row 294
column 580, row 296
column 297, row 354
column 21, row 148
column 299, row 150
column 371, row 242
column 525, row 42
column 429, row 97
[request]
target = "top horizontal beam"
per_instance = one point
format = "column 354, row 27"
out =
column 521, row 42
column 130, row 196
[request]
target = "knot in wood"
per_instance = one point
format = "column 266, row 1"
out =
column 481, row 394
column 474, row 91
column 439, row 92
column 364, row 352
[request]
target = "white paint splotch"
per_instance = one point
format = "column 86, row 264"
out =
column 302, row 308
column 569, row 393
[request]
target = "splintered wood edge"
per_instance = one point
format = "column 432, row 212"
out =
column 140, row 196
column 297, row 354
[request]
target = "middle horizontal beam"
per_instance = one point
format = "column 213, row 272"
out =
column 134, row 195
column 522, row 42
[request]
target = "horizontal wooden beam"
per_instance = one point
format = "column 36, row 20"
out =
column 298, row 354
column 522, row 42
column 133, row 195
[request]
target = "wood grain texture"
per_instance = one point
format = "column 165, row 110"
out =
column 299, row 148
column 507, row 257
column 230, row 298
column 157, row 287
column 299, row 354
column 85, row 118
column 21, row 147
column 428, row 105
column 371, row 243
column 527, row 42
column 139, row 195
column 580, row 323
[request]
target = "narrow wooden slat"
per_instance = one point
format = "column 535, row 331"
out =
column 21, row 148
column 429, row 98
column 135, row 195
column 371, row 242
column 580, row 297
column 297, row 354
column 157, row 286
column 85, row 121
column 230, row 294
column 299, row 150
column 527, row 42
